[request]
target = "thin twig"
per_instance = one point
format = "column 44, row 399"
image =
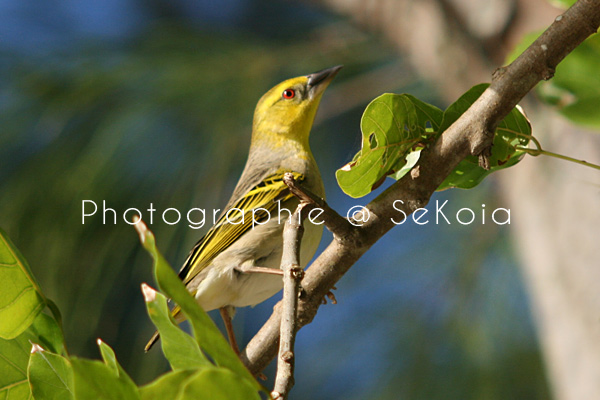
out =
column 292, row 275
column 471, row 134
column 539, row 151
column 337, row 224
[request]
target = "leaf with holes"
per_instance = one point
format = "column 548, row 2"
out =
column 392, row 126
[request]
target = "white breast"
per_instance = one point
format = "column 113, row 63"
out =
column 261, row 246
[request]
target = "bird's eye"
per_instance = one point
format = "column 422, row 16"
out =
column 289, row 94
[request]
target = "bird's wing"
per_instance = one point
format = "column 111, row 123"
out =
column 263, row 195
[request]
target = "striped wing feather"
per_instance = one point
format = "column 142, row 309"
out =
column 264, row 195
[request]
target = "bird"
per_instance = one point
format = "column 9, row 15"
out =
column 237, row 262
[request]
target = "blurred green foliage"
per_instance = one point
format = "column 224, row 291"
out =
column 574, row 90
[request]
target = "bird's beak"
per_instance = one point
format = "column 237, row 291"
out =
column 319, row 81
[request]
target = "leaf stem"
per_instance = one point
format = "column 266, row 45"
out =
column 537, row 152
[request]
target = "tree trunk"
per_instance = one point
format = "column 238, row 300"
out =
column 556, row 228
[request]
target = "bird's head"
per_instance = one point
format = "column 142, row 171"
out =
column 287, row 110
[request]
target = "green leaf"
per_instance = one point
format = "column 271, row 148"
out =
column 512, row 131
column 427, row 113
column 95, row 380
column 391, row 125
column 46, row 332
column 217, row 384
column 210, row 383
column 469, row 174
column 179, row 348
column 15, row 354
column 14, row 358
column 563, row 3
column 205, row 331
column 410, row 161
column 456, row 109
column 109, row 357
column 167, row 386
column 21, row 299
column 18, row 391
column 55, row 311
column 50, row 376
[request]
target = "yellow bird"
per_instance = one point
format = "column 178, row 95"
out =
column 237, row 262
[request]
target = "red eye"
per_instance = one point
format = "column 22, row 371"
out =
column 289, row 93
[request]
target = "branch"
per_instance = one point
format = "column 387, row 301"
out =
column 292, row 275
column 471, row 134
